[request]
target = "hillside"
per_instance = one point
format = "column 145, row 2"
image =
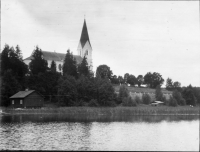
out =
column 141, row 90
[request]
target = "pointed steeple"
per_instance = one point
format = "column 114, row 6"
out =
column 84, row 35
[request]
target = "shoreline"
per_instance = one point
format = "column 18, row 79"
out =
column 108, row 111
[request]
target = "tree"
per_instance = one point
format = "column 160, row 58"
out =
column 12, row 59
column 177, row 86
column 158, row 93
column 70, row 66
column 53, row 66
column 196, row 91
column 85, row 89
column 114, row 80
column 177, row 95
column 38, row 63
column 153, row 79
column 103, row 71
column 9, row 87
column 5, row 61
column 83, row 68
column 123, row 92
column 188, row 95
column 140, row 80
column 121, row 80
column 45, row 83
column 169, row 84
column 126, row 75
column 105, row 92
column 67, row 91
column 172, row 102
column 131, row 80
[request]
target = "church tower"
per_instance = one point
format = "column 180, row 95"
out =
column 84, row 47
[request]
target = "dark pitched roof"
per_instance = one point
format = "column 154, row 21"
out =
column 22, row 94
column 84, row 35
column 56, row 56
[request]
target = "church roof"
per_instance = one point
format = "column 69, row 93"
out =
column 84, row 35
column 57, row 56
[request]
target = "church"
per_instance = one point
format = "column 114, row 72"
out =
column 84, row 49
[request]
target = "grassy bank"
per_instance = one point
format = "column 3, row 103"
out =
column 141, row 90
column 110, row 111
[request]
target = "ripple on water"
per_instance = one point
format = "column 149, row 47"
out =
column 139, row 135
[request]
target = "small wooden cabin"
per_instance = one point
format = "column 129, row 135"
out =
column 27, row 99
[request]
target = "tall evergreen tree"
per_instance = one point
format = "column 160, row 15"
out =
column 10, row 86
column 70, row 66
column 83, row 68
column 38, row 63
column 12, row 59
column 53, row 66
column 5, row 61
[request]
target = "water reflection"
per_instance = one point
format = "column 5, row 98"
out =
column 62, row 118
column 58, row 132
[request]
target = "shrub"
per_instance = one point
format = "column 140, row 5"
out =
column 177, row 95
column 128, row 101
column 182, row 102
column 93, row 103
column 158, row 93
column 123, row 92
column 172, row 102
column 138, row 100
column 146, row 99
column 164, row 100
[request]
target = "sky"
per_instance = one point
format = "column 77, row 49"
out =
column 132, row 37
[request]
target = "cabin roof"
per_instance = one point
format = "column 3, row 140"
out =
column 22, row 94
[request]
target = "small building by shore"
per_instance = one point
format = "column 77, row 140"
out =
column 27, row 99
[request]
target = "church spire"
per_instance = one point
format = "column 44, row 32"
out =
column 84, row 35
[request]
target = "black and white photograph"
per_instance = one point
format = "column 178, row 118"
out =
column 100, row 75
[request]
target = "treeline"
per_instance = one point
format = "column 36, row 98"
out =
column 150, row 79
column 77, row 85
column 190, row 94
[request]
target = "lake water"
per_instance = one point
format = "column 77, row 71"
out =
column 136, row 133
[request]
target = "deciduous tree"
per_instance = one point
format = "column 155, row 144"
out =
column 153, row 79
column 140, row 80
column 104, row 71
column 131, row 80
column 169, row 84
